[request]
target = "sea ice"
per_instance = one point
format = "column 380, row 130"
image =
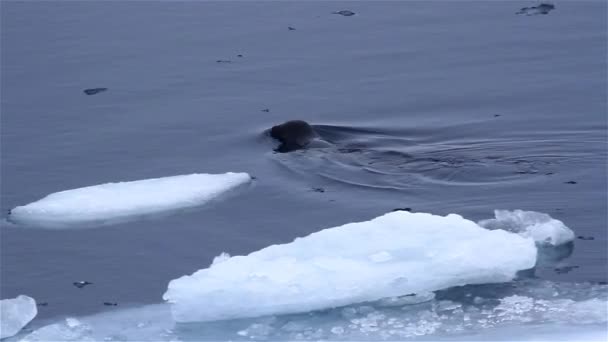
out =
column 15, row 313
column 113, row 202
column 524, row 310
column 541, row 227
column 392, row 255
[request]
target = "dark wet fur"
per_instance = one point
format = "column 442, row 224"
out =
column 293, row 135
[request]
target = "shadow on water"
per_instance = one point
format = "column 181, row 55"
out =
column 402, row 159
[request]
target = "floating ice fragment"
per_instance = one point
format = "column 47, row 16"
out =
column 541, row 227
column 15, row 313
column 112, row 202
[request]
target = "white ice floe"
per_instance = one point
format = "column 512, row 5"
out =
column 541, row 227
column 396, row 254
column 15, row 313
column 111, row 202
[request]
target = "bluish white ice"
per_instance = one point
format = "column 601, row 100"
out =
column 400, row 276
column 15, row 313
column 395, row 254
column 541, row 227
column 112, row 202
column 528, row 310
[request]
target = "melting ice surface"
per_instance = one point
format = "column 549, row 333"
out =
column 397, row 254
column 112, row 202
column 541, row 227
column 16, row 313
column 527, row 309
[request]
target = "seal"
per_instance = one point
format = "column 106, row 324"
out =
column 293, row 135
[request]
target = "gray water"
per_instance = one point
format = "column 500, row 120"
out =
column 408, row 92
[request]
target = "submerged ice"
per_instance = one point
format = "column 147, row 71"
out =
column 15, row 313
column 118, row 201
column 396, row 254
column 522, row 310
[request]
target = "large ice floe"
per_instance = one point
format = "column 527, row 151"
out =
column 15, row 313
column 544, row 229
column 114, row 202
column 396, row 254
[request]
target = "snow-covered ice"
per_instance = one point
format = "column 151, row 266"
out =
column 111, row 202
column 541, row 227
column 15, row 313
column 392, row 255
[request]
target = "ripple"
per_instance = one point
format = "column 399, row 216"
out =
column 404, row 159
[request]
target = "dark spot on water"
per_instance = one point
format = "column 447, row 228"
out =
column 548, row 173
column 291, row 28
column 223, row 61
column 266, row 110
column 317, row 189
column 570, row 182
column 110, row 304
column 93, row 91
column 42, row 304
column 496, row 115
column 254, row 177
column 564, row 269
column 349, row 150
column 239, row 56
column 81, row 284
column 602, row 283
column 402, row 209
column 345, row 13
column 586, row 238
column 543, row 8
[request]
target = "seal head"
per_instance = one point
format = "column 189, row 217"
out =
column 293, row 135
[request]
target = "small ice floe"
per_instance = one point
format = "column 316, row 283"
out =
column 114, row 202
column 81, row 284
column 393, row 255
column 15, row 314
column 544, row 229
column 543, row 8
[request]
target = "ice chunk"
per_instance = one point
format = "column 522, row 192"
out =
column 333, row 267
column 541, row 227
column 111, row 202
column 16, row 313
column 149, row 323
